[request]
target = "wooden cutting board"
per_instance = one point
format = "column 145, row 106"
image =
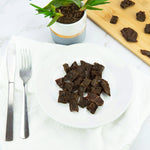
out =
column 127, row 18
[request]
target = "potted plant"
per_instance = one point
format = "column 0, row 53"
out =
column 68, row 18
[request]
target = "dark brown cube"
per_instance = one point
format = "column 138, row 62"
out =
column 86, row 65
column 105, row 86
column 77, row 83
column 147, row 28
column 95, row 82
column 81, row 71
column 92, row 108
column 81, row 90
column 85, row 82
column 83, row 102
column 88, row 89
column 127, row 3
column 96, row 90
column 114, row 19
column 73, row 106
column 95, row 99
column 98, row 67
column 146, row 53
column 74, row 66
column 74, row 102
column 60, row 82
column 129, row 34
column 68, row 86
column 72, row 75
column 97, row 70
column 63, row 97
column 66, row 67
column 140, row 16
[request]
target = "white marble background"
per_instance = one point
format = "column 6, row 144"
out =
column 17, row 17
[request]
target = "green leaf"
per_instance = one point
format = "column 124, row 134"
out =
column 93, row 8
column 53, row 8
column 98, row 2
column 57, row 16
column 58, row 3
column 42, row 11
column 94, row 3
column 86, row 4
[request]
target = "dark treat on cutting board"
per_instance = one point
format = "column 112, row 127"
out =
column 147, row 28
column 114, row 19
column 70, row 13
column 81, row 80
column 146, row 53
column 141, row 16
column 127, row 3
column 129, row 34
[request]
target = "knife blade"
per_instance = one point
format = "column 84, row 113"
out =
column 11, row 68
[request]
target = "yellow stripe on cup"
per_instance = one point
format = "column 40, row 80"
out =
column 67, row 37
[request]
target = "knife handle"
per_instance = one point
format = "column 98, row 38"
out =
column 9, row 123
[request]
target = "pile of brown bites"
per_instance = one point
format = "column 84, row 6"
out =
column 128, row 33
column 82, row 86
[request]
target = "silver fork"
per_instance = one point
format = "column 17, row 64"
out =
column 25, row 74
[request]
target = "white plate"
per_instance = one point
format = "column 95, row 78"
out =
column 116, row 73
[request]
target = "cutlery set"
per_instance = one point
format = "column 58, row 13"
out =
column 25, row 74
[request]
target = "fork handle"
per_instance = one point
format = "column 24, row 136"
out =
column 24, row 131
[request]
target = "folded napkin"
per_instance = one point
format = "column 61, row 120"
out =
column 47, row 134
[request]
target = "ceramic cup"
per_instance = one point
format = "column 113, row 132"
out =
column 67, row 34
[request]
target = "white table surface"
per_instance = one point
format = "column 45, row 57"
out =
column 17, row 17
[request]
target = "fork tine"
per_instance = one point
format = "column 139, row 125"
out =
column 26, row 60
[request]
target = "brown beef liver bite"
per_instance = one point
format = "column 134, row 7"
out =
column 92, row 108
column 83, row 102
column 146, row 53
column 114, row 20
column 147, row 28
column 129, row 34
column 126, row 3
column 60, row 82
column 95, row 99
column 63, row 97
column 140, row 16
column 105, row 86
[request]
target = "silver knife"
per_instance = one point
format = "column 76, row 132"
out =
column 11, row 68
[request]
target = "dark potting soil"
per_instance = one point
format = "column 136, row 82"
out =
column 70, row 13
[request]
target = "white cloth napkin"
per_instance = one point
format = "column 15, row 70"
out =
column 47, row 134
